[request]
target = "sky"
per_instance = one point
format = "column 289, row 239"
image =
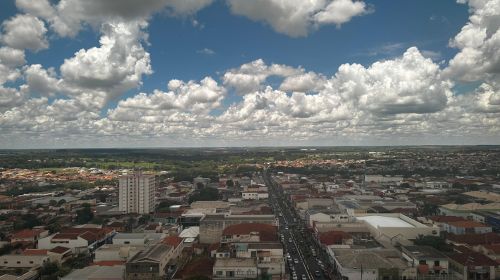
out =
column 195, row 73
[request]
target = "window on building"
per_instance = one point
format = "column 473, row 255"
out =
column 422, row 262
column 436, row 263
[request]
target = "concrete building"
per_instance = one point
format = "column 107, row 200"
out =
column 150, row 263
column 137, row 193
column 23, row 261
column 28, row 236
column 370, row 264
column 254, row 195
column 396, row 227
column 464, row 227
column 212, row 225
column 427, row 261
column 77, row 242
column 466, row 264
column 115, row 252
column 235, row 268
column 137, row 238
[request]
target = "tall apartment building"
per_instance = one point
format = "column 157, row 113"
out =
column 137, row 193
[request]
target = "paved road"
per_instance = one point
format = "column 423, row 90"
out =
column 296, row 238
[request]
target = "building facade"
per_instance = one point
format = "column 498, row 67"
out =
column 137, row 193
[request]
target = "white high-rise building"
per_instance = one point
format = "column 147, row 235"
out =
column 137, row 193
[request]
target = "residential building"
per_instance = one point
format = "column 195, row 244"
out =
column 427, row 261
column 28, row 236
column 137, row 238
column 137, row 193
column 212, row 225
column 23, row 261
column 394, row 227
column 463, row 227
column 150, row 263
column 468, row 265
column 235, row 268
column 370, row 264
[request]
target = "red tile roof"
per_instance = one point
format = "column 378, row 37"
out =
column 199, row 267
column 173, row 241
column 59, row 250
column 89, row 236
column 467, row 224
column 473, row 239
column 446, row 219
column 27, row 233
column 333, row 237
column 495, row 248
column 35, row 252
column 465, row 256
column 266, row 232
column 72, row 236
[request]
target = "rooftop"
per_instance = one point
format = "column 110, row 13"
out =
column 385, row 221
column 467, row 224
column 153, row 253
column 27, row 233
column 423, row 252
column 368, row 259
column 237, row 262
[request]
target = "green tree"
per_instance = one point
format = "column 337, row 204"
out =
column 205, row 194
column 61, row 202
column 230, row 183
column 437, row 242
column 430, row 209
column 85, row 214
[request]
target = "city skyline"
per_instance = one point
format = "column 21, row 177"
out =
column 84, row 74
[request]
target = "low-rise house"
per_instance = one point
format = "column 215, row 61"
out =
column 467, row 264
column 116, row 252
column 137, row 238
column 463, row 227
column 427, row 261
column 330, row 238
column 473, row 239
column 177, row 245
column 79, row 239
column 269, row 256
column 490, row 250
column 58, row 254
column 23, row 261
column 77, row 242
column 249, row 232
column 254, row 195
column 28, row 236
column 150, row 263
column 235, row 268
column 371, row 264
column 442, row 221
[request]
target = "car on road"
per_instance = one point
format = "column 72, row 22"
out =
column 304, row 277
column 289, row 240
column 294, row 277
column 296, row 261
column 317, row 274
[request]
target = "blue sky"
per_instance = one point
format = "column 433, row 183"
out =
column 224, row 39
